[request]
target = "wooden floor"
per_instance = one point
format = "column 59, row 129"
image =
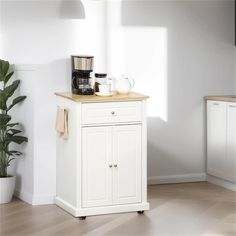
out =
column 176, row 209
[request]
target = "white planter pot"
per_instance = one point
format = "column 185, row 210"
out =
column 7, row 186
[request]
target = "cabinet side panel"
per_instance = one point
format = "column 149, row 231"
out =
column 231, row 142
column 216, row 138
column 66, row 156
column 144, row 151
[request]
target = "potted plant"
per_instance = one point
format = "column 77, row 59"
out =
column 9, row 133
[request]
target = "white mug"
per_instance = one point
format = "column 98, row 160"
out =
column 104, row 89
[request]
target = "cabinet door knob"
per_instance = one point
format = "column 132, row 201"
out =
column 113, row 113
column 110, row 166
column 216, row 104
column 115, row 165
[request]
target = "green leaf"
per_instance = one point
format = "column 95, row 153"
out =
column 12, row 124
column 13, row 131
column 4, row 67
column 16, row 153
column 2, row 77
column 3, row 103
column 9, row 90
column 7, row 77
column 3, row 100
column 16, row 139
column 4, row 119
column 2, row 146
column 15, row 101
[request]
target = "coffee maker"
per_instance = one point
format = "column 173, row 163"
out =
column 81, row 82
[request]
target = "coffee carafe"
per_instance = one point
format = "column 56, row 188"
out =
column 81, row 81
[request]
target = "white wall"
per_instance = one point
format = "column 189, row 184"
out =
column 24, row 114
column 177, row 51
column 39, row 40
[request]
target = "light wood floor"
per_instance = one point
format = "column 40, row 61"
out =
column 176, row 209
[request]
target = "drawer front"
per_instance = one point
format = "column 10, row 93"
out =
column 111, row 112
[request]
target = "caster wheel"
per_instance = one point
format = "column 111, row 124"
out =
column 82, row 217
column 140, row 212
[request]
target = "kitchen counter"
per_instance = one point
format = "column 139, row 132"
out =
column 132, row 96
column 228, row 98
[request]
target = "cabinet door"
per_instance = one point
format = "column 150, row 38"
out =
column 231, row 142
column 127, row 164
column 216, row 138
column 96, row 166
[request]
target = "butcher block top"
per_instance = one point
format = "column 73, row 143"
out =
column 132, row 96
column 228, row 98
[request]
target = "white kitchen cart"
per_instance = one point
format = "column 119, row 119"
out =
column 102, row 166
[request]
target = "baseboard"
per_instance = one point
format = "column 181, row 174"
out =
column 34, row 200
column 172, row 179
column 220, row 182
column 167, row 179
column 43, row 200
column 24, row 196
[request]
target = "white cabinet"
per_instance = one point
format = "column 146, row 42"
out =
column 127, row 154
column 221, row 140
column 96, row 166
column 111, row 165
column 106, row 154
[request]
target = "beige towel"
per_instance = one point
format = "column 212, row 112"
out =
column 62, row 122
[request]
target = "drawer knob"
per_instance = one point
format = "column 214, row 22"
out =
column 110, row 166
column 115, row 165
column 113, row 113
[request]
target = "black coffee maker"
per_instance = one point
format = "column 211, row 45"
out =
column 81, row 81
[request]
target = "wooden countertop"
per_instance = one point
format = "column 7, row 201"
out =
column 132, row 96
column 228, row 98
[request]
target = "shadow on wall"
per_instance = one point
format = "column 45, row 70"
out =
column 199, row 35
column 204, row 16
column 42, row 10
column 178, row 51
column 38, row 32
column 60, row 75
column 169, row 43
column 72, row 9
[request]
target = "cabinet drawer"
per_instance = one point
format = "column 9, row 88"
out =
column 111, row 112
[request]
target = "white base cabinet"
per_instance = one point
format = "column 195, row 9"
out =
column 221, row 140
column 111, row 165
column 101, row 168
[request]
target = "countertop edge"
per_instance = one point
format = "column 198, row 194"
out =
column 86, row 99
column 220, row 98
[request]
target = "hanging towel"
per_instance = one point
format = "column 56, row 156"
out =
column 62, row 122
